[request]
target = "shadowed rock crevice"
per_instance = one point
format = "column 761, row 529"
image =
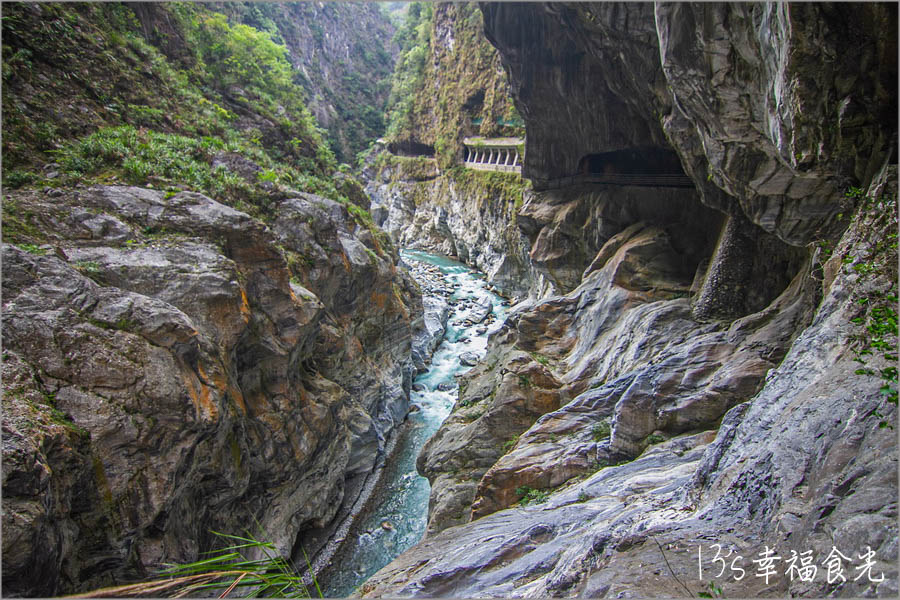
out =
column 410, row 148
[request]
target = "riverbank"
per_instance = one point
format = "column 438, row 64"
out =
column 395, row 517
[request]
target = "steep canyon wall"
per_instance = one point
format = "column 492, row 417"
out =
column 177, row 362
column 708, row 365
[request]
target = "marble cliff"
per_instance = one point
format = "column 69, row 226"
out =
column 694, row 366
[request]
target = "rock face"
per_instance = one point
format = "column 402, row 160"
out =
column 419, row 194
column 345, row 55
column 168, row 372
column 777, row 75
column 688, row 373
column 803, row 464
column 467, row 215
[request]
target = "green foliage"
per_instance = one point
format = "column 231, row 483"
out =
column 715, row 591
column 241, row 55
column 221, row 69
column 540, row 358
column 877, row 307
column 510, row 443
column 88, row 266
column 16, row 178
column 414, row 39
column 140, row 156
column 528, row 495
column 600, row 431
column 33, row 249
column 230, row 571
column 654, row 438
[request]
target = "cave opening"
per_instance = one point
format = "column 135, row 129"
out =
column 411, row 148
column 646, row 160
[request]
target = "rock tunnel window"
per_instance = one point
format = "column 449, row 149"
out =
column 632, row 161
column 410, row 148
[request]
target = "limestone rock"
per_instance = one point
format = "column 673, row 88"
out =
column 784, row 469
column 174, row 374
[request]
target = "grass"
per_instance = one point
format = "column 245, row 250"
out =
column 510, row 444
column 226, row 572
column 600, row 431
column 529, row 495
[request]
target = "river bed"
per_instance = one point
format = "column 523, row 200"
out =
column 400, row 505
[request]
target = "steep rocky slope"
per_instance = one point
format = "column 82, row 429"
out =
column 718, row 364
column 202, row 328
column 168, row 372
column 466, row 214
column 344, row 53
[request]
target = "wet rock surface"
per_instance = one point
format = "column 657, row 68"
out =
column 436, row 310
column 181, row 376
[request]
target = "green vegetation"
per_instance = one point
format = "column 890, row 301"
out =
column 139, row 156
column 654, row 438
column 510, row 444
column 226, row 572
column 33, row 249
column 506, row 187
column 414, row 39
column 540, row 358
column 715, row 591
column 528, row 495
column 352, row 90
column 877, row 304
column 159, row 115
column 600, row 431
column 472, row 94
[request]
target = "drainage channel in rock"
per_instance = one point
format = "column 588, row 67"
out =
column 399, row 510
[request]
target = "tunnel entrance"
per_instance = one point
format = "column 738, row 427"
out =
column 641, row 166
column 648, row 160
column 410, row 148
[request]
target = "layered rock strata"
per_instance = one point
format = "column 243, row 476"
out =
column 694, row 375
column 467, row 215
column 173, row 366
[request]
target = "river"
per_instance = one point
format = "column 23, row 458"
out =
column 400, row 506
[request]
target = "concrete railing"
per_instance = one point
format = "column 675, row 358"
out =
column 498, row 154
column 493, row 167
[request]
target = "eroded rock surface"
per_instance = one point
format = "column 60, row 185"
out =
column 459, row 215
column 168, row 372
column 794, row 453
column 697, row 351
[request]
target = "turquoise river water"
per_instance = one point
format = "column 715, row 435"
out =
column 402, row 502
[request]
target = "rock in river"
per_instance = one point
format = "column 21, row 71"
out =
column 469, row 359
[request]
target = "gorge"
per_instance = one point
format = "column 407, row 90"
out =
column 210, row 324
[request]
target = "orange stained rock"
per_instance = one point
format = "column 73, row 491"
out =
column 199, row 392
column 245, row 306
